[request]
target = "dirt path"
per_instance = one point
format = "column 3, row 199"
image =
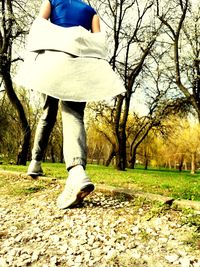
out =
column 107, row 230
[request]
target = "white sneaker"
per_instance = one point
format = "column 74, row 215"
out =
column 35, row 168
column 74, row 193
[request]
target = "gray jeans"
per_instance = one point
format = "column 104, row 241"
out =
column 74, row 136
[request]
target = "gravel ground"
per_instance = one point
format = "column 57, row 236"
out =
column 106, row 230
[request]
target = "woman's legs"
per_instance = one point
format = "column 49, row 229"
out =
column 74, row 136
column 43, row 131
column 78, row 185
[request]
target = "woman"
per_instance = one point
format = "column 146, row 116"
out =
column 67, row 57
column 70, row 13
column 66, row 14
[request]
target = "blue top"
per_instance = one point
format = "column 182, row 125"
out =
column 68, row 13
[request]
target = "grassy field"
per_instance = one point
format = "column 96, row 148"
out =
column 172, row 183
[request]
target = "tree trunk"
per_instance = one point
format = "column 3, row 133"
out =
column 193, row 163
column 146, row 163
column 23, row 153
column 121, row 163
column 181, row 163
column 132, row 160
column 146, row 160
column 120, row 136
column 110, row 157
column 185, row 165
column 169, row 164
column 52, row 154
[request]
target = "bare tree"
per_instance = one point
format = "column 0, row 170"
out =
column 181, row 40
column 10, row 31
column 132, row 37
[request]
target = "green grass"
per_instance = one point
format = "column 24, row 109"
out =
column 180, row 185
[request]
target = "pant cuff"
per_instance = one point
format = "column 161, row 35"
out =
column 76, row 161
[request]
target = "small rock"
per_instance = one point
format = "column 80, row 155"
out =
column 2, row 262
column 135, row 230
column 55, row 238
column 172, row 258
column 54, row 260
column 64, row 248
column 185, row 262
column 111, row 254
column 18, row 238
column 35, row 256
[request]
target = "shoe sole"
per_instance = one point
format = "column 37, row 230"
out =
column 78, row 198
column 86, row 190
column 34, row 175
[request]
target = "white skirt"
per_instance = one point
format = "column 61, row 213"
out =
column 69, row 77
